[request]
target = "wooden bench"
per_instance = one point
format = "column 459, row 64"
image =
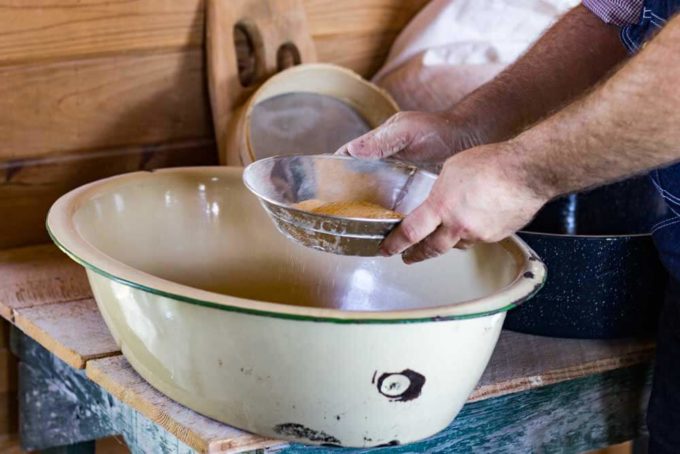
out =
column 537, row 395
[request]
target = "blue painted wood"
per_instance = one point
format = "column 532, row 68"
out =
column 569, row 417
column 60, row 406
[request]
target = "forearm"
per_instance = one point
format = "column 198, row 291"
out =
column 629, row 124
column 570, row 57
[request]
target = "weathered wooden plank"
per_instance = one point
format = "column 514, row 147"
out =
column 38, row 275
column 569, row 417
column 522, row 361
column 73, row 331
column 62, row 408
column 29, row 187
column 116, row 376
column 357, row 32
column 507, row 374
column 58, row 404
column 102, row 102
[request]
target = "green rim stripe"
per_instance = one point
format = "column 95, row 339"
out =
column 281, row 315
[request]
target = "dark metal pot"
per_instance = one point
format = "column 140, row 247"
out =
column 605, row 279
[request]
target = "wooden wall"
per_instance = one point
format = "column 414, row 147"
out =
column 92, row 88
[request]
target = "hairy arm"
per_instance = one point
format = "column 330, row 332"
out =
column 629, row 124
column 568, row 59
column 626, row 125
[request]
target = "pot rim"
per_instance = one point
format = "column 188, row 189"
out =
column 530, row 278
column 586, row 237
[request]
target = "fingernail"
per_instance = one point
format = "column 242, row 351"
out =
column 384, row 252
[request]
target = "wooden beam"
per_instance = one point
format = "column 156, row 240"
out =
column 98, row 103
column 42, row 29
column 356, row 33
column 29, row 187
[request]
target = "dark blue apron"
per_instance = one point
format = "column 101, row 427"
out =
column 663, row 417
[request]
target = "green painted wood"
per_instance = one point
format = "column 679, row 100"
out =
column 62, row 409
column 569, row 417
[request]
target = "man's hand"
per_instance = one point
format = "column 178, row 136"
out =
column 481, row 195
column 416, row 137
column 627, row 125
column 574, row 54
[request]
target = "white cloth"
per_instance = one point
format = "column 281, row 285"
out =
column 477, row 37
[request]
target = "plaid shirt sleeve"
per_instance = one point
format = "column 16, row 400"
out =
column 617, row 12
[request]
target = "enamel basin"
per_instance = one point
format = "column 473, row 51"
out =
column 217, row 310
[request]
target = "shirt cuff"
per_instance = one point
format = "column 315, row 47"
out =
column 616, row 12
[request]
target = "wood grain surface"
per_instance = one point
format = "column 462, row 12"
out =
column 73, row 331
column 103, row 102
column 117, row 377
column 39, row 275
column 38, row 30
column 29, row 187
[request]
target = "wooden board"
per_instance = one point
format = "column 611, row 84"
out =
column 116, row 376
column 356, row 33
column 38, row 275
column 570, row 417
column 34, row 30
column 522, row 361
column 73, row 331
column 125, row 99
column 62, row 407
column 266, row 25
column 48, row 304
column 44, row 29
column 29, row 187
column 101, row 103
column 85, row 78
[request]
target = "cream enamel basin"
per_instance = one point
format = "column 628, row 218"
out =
column 216, row 309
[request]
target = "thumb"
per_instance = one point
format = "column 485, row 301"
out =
column 384, row 141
